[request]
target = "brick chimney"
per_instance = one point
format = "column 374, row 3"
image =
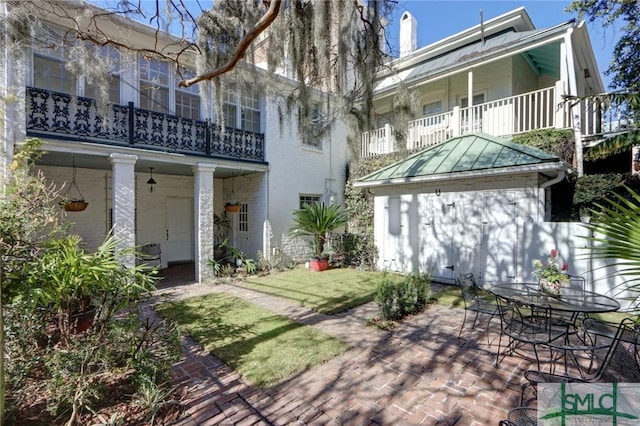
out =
column 408, row 34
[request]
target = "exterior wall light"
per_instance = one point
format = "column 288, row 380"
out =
column 151, row 182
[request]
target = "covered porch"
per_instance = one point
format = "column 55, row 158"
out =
column 539, row 109
column 147, row 197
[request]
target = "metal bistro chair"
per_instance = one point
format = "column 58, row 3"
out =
column 473, row 301
column 521, row 416
column 525, row 324
column 577, row 281
column 615, row 341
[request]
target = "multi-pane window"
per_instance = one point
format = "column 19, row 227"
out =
column 432, row 108
column 51, row 74
column 243, row 218
column 477, row 100
column 230, row 108
column 90, row 89
column 309, row 199
column 314, row 138
column 154, row 85
column 242, row 109
column 250, row 111
column 187, row 99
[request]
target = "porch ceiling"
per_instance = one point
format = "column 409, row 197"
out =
column 163, row 167
column 545, row 59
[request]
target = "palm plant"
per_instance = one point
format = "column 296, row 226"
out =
column 317, row 220
column 616, row 233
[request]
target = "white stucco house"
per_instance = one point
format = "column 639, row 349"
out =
column 158, row 130
column 468, row 199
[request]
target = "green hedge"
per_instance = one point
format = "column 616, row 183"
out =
column 397, row 300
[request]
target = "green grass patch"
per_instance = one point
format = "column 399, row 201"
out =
column 451, row 296
column 327, row 292
column 263, row 347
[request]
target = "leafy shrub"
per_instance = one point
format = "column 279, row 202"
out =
column 397, row 300
column 278, row 261
column 385, row 297
column 359, row 250
column 47, row 277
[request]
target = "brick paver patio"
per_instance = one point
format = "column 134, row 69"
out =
column 418, row 374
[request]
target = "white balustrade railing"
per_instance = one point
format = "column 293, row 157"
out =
column 539, row 109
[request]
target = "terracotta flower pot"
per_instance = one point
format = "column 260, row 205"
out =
column 233, row 208
column 83, row 320
column 319, row 265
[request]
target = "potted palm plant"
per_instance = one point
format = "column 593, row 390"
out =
column 317, row 220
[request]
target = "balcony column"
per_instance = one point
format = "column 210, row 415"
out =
column 470, row 88
column 124, row 204
column 455, row 122
column 12, row 95
column 203, row 197
column 561, row 116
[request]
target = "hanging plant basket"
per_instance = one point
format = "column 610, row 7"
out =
column 232, row 208
column 74, row 205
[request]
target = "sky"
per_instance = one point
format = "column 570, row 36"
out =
column 438, row 19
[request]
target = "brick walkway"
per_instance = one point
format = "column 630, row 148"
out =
column 418, row 374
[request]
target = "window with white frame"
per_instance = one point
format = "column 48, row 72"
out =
column 309, row 199
column 230, row 108
column 314, row 138
column 90, row 89
column 51, row 74
column 241, row 109
column 187, row 98
column 432, row 108
column 478, row 99
column 154, row 85
column 250, row 110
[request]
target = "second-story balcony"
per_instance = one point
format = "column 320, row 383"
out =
column 61, row 116
column 540, row 109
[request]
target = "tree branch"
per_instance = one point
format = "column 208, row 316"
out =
column 263, row 24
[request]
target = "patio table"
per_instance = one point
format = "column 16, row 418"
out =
column 559, row 311
column 571, row 300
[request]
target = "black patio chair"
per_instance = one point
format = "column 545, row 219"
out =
column 605, row 345
column 474, row 301
column 525, row 324
column 521, row 416
column 577, row 281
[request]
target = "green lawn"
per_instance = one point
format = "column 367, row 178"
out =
column 263, row 347
column 328, row 292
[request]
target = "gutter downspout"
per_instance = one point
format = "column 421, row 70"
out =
column 547, row 212
column 575, row 110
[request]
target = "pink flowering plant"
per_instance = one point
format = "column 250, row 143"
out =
column 551, row 271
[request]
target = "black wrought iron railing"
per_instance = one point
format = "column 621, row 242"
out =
column 61, row 116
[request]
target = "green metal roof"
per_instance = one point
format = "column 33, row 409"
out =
column 468, row 153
